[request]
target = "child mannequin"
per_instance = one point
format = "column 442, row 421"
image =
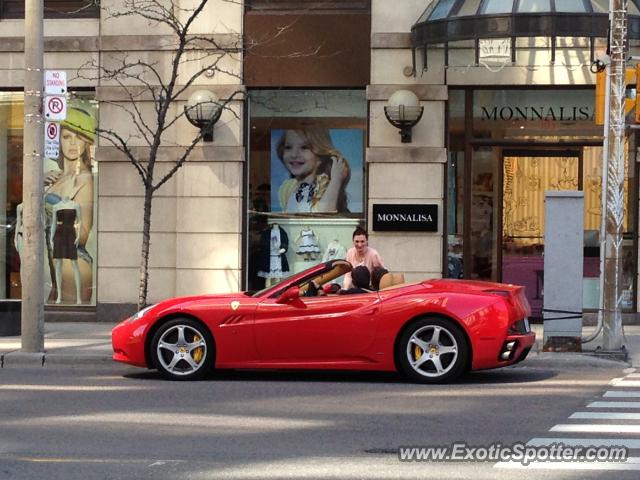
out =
column 275, row 244
column 66, row 225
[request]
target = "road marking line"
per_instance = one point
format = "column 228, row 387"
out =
column 586, row 442
column 632, row 463
column 620, row 382
column 602, row 428
column 606, row 415
column 621, row 394
column 614, row 405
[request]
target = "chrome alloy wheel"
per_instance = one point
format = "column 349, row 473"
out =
column 432, row 351
column 181, row 350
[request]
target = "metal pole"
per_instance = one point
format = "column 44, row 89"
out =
column 612, row 293
column 31, row 260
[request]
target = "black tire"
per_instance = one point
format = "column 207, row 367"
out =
column 417, row 341
column 187, row 358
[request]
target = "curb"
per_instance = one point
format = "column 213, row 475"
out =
column 563, row 359
column 39, row 359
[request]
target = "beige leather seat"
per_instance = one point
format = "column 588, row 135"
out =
column 391, row 279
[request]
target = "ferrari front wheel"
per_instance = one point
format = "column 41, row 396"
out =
column 182, row 349
column 432, row 350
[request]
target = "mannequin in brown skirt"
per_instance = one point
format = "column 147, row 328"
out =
column 66, row 225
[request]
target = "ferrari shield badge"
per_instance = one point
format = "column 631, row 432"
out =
column 235, row 304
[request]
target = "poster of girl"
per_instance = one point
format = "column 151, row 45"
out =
column 317, row 170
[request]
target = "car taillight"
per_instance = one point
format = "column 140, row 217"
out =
column 519, row 327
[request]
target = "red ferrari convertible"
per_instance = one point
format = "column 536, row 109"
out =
column 431, row 331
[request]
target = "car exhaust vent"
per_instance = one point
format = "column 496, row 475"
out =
column 508, row 350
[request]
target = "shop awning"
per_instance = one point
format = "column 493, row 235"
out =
column 446, row 21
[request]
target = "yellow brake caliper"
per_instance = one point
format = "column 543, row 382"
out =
column 198, row 352
column 417, row 352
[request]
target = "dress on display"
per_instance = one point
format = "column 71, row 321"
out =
column 307, row 243
column 64, row 245
column 333, row 251
column 273, row 262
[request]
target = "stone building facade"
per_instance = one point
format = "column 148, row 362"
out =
column 497, row 111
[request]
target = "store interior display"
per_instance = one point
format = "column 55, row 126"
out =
column 306, row 174
column 307, row 244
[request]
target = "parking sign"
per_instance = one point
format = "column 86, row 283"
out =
column 51, row 140
column 55, row 107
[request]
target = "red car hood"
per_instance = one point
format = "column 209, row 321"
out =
column 210, row 299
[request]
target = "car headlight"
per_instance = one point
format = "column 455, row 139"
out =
column 140, row 314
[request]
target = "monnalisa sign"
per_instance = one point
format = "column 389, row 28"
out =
column 405, row 217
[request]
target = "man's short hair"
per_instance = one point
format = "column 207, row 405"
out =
column 360, row 231
column 361, row 277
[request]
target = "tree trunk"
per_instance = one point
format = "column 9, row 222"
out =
column 146, row 243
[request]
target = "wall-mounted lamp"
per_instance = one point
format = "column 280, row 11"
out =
column 203, row 110
column 403, row 111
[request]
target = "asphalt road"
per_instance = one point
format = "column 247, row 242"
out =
column 119, row 422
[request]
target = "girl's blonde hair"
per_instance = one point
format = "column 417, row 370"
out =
column 321, row 145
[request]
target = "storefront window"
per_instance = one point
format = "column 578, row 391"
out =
column 70, row 202
column 524, row 144
column 306, row 179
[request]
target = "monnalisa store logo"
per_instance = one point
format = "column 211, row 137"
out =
column 494, row 53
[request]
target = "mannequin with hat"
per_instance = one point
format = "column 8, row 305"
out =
column 73, row 180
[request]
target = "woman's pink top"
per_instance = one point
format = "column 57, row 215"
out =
column 371, row 260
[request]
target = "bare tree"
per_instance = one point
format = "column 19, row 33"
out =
column 163, row 84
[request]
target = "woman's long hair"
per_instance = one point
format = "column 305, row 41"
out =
column 321, row 145
column 86, row 154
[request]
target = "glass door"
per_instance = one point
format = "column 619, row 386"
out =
column 527, row 175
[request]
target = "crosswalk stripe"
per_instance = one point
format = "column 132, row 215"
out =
column 632, row 463
column 602, row 428
column 614, row 405
column 621, row 394
column 586, row 442
column 606, row 415
column 620, row 382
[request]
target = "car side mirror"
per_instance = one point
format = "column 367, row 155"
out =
column 289, row 295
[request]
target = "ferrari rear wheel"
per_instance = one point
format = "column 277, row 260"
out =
column 432, row 350
column 182, row 349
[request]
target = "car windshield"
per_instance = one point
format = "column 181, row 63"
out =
column 260, row 292
column 333, row 270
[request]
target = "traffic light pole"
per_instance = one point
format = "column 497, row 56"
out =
column 31, row 255
column 613, row 215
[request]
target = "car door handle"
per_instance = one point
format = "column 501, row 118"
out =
column 372, row 311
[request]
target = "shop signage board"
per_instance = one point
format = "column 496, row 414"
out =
column 55, row 82
column 55, row 107
column 51, row 140
column 405, row 217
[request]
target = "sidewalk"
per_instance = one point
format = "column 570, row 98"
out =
column 65, row 343
column 90, row 343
